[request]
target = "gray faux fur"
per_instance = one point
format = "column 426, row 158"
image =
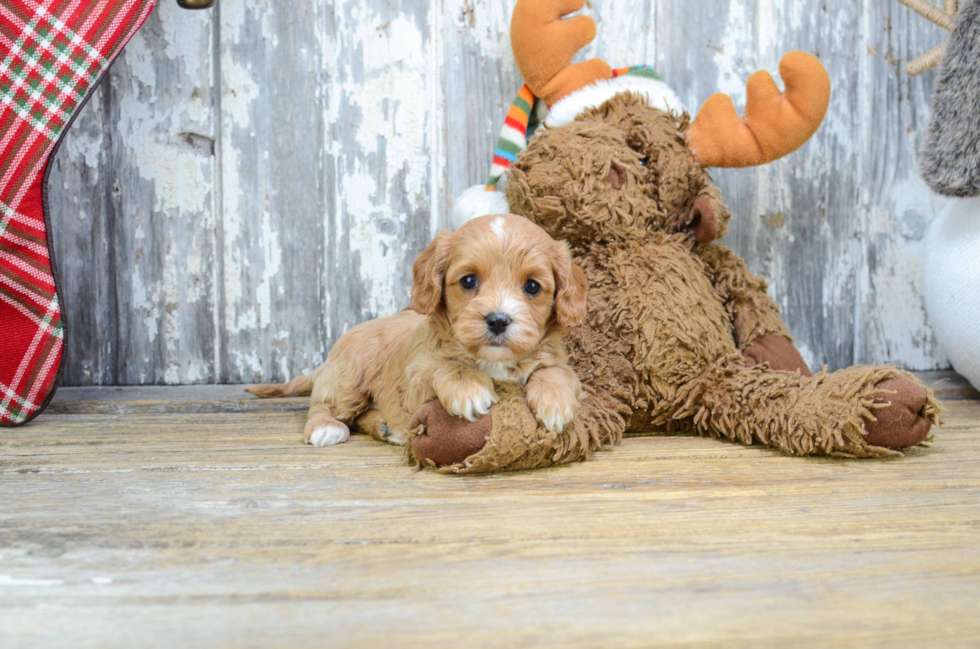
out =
column 950, row 159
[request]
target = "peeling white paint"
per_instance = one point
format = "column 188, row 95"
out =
column 249, row 360
column 239, row 91
column 385, row 100
column 273, row 258
column 734, row 55
column 891, row 285
column 408, row 101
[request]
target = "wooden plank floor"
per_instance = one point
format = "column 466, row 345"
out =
column 134, row 517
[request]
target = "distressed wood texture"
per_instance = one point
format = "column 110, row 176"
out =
column 160, row 516
column 255, row 179
column 132, row 210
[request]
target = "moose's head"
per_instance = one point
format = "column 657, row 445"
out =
column 616, row 160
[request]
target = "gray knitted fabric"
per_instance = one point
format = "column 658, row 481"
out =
column 950, row 157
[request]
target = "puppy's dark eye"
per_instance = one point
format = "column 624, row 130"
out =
column 531, row 287
column 468, row 283
column 643, row 161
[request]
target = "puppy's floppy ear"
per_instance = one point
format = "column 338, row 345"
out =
column 428, row 274
column 570, row 287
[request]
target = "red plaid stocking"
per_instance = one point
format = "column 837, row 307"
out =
column 52, row 55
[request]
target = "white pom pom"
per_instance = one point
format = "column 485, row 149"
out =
column 474, row 202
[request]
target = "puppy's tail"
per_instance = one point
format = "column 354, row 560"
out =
column 300, row 386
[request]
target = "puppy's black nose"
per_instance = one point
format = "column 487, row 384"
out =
column 498, row 322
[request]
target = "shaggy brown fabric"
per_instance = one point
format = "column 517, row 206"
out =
column 825, row 414
column 679, row 335
column 703, row 221
column 517, row 441
column 779, row 352
column 903, row 413
column 452, row 439
column 752, row 311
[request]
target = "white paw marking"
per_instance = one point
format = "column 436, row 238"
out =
column 474, row 407
column 497, row 225
column 554, row 419
column 329, row 435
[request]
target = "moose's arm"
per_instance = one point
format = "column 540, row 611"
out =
column 753, row 312
column 759, row 331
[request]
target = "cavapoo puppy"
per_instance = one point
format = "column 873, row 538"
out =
column 492, row 300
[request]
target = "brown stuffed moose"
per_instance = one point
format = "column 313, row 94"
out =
column 679, row 335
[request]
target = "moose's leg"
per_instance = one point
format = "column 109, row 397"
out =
column 760, row 332
column 856, row 412
column 509, row 437
column 776, row 350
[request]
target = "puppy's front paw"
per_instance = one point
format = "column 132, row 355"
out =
column 553, row 406
column 328, row 435
column 469, row 401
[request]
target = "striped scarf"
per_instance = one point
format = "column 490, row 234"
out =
column 526, row 113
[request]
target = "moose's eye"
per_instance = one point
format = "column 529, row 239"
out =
column 531, row 287
column 468, row 283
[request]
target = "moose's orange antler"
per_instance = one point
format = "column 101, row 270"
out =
column 544, row 45
column 775, row 124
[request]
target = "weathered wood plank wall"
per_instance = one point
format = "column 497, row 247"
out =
column 253, row 180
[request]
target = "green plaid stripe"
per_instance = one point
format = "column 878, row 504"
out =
column 15, row 411
column 25, row 136
column 8, row 217
column 75, row 66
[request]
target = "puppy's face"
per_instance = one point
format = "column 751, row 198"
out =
column 502, row 282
